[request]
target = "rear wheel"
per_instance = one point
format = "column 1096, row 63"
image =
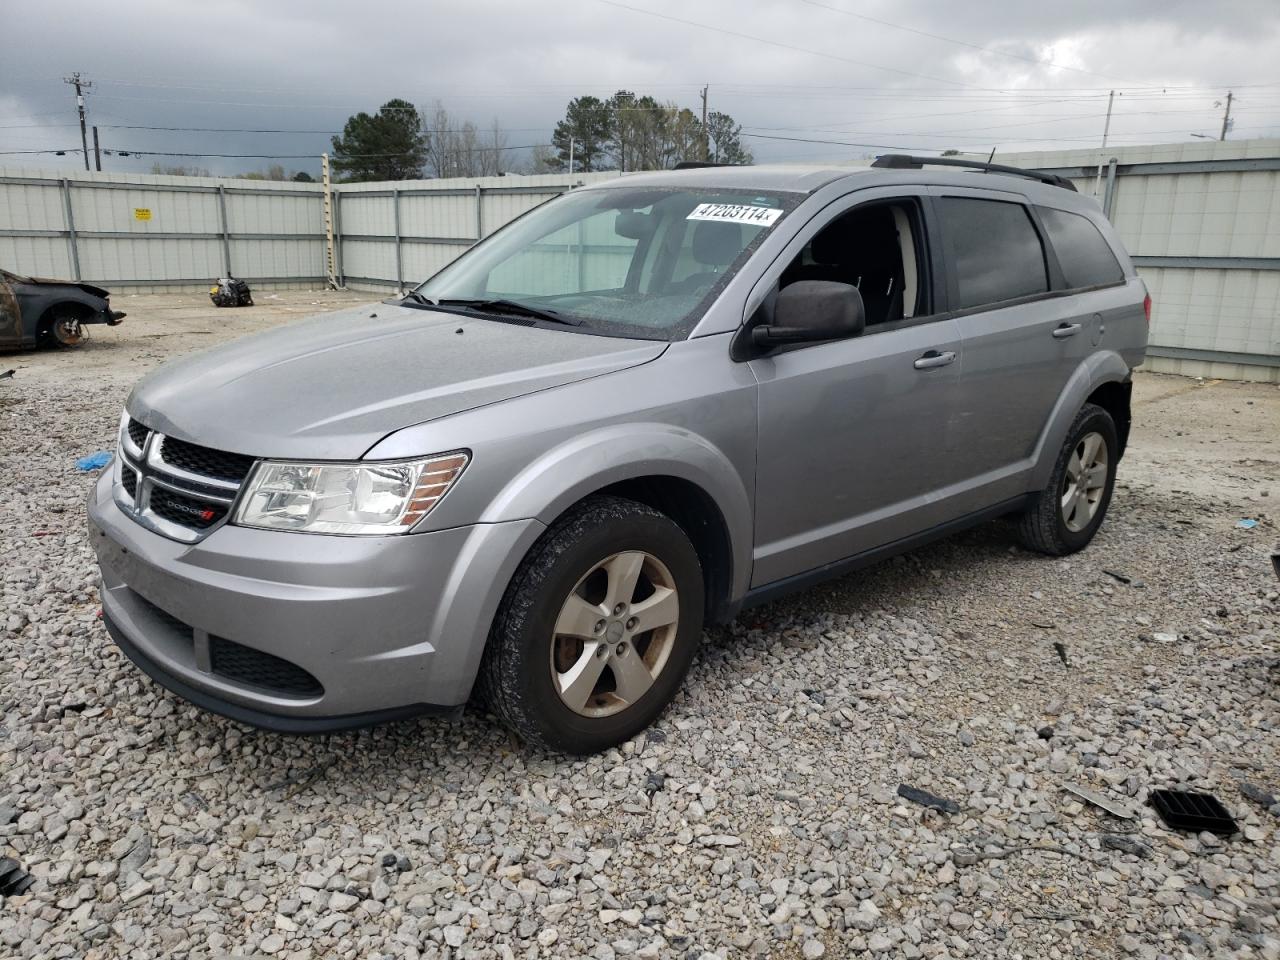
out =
column 1068, row 511
column 597, row 628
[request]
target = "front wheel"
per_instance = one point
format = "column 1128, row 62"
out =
column 1067, row 513
column 597, row 628
column 65, row 330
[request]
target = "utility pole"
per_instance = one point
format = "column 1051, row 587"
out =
column 706, row 140
column 97, row 154
column 1106, row 130
column 1226, row 118
column 571, row 145
column 331, row 265
column 81, row 86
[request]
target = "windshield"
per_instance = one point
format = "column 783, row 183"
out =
column 628, row 262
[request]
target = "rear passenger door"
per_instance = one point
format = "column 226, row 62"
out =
column 1019, row 348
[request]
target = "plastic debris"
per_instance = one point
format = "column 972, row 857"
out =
column 1114, row 807
column 1259, row 795
column 7, row 375
column 94, row 461
column 1062, row 652
column 14, row 881
column 1248, row 523
column 654, row 783
column 1187, row 810
column 1118, row 576
column 927, row 799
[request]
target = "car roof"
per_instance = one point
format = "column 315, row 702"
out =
column 805, row 179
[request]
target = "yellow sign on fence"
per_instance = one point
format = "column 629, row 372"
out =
column 142, row 213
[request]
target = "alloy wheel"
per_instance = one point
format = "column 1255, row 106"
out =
column 1085, row 482
column 614, row 634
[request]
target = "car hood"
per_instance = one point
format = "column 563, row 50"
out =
column 331, row 387
column 74, row 284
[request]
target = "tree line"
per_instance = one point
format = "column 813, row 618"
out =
column 636, row 132
column 625, row 132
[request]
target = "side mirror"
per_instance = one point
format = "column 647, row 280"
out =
column 812, row 310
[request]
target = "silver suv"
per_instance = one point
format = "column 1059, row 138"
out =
column 635, row 410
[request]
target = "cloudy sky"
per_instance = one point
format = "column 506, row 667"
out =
column 869, row 74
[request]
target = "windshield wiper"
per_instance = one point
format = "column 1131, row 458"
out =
column 416, row 297
column 512, row 308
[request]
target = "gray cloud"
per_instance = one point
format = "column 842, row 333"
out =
column 288, row 64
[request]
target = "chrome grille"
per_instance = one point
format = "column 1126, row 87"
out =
column 176, row 488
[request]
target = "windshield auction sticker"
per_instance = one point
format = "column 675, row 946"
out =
column 736, row 213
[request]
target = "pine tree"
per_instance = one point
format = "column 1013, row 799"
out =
column 388, row 145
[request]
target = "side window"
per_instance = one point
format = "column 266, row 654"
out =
column 876, row 248
column 1085, row 257
column 997, row 252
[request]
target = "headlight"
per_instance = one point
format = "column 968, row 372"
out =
column 347, row 498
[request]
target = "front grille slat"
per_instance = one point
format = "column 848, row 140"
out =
column 232, row 467
column 236, row 662
column 137, row 433
column 129, row 480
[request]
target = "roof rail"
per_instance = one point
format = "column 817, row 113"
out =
column 701, row 164
column 902, row 161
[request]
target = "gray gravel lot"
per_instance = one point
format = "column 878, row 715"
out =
column 758, row 818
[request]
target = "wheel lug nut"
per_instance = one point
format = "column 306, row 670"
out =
column 600, row 625
column 602, row 650
column 631, row 624
column 617, row 611
column 620, row 649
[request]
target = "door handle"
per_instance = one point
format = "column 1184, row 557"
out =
column 1064, row 330
column 933, row 359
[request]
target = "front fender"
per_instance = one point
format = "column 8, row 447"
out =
column 1096, row 369
column 575, row 469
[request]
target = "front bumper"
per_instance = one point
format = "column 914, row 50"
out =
column 383, row 627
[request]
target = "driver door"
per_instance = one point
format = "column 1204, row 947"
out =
column 854, row 434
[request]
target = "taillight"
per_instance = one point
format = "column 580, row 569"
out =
column 1146, row 308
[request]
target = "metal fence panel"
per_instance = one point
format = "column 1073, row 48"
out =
column 36, row 256
column 145, row 259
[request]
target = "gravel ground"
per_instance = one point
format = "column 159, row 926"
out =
column 758, row 818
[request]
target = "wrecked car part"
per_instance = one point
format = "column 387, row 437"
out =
column 1114, row 807
column 1188, row 810
column 38, row 310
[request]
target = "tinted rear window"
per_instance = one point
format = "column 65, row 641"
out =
column 997, row 252
column 1085, row 257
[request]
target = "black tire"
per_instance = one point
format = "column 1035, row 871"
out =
column 1043, row 528
column 515, row 679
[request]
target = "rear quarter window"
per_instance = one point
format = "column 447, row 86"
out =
column 1083, row 253
column 996, row 251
